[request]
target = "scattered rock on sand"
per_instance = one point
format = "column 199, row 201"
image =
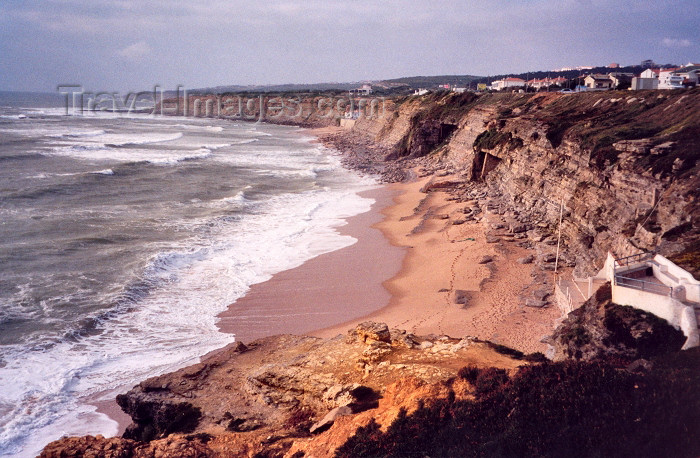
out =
column 535, row 303
column 485, row 259
column 492, row 239
column 461, row 297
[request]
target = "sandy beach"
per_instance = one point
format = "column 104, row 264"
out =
column 411, row 268
column 442, row 288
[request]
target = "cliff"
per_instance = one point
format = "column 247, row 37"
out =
column 622, row 165
column 280, row 395
column 621, row 168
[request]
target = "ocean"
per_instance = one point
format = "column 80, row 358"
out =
column 122, row 236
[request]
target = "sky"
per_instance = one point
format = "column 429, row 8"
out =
column 124, row 45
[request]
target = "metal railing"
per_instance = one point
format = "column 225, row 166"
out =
column 633, row 259
column 643, row 285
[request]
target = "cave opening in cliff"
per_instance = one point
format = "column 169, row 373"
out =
column 445, row 131
column 484, row 163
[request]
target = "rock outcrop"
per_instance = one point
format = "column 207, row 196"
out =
column 273, row 394
column 603, row 331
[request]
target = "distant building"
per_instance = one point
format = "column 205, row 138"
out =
column 597, row 82
column 365, row 89
column 459, row 90
column 648, row 63
column 546, row 82
column 420, row 92
column 689, row 74
column 650, row 73
column 614, row 65
column 505, row 83
column 669, row 79
column 620, row 79
column 639, row 83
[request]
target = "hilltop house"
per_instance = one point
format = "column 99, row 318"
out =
column 506, row 83
column 641, row 83
column 546, row 82
column 620, row 80
column 689, row 75
column 669, row 79
column 365, row 89
column 597, row 82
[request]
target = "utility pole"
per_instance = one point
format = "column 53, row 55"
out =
column 561, row 215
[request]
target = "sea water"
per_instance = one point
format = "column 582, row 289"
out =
column 123, row 236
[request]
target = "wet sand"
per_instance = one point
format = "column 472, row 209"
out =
column 332, row 288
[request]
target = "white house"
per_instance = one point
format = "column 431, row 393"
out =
column 644, row 281
column 689, row 74
column 506, row 83
column 650, row 73
column 669, row 79
column 546, row 82
column 598, row 82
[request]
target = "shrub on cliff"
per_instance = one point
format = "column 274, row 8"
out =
column 571, row 408
column 602, row 330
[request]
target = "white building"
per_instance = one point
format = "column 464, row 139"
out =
column 646, row 282
column 669, row 79
column 506, row 83
column 639, row 83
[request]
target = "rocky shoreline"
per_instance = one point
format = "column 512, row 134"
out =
column 299, row 396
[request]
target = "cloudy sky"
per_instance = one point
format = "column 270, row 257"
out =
column 130, row 45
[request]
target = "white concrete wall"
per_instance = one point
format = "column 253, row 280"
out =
column 690, row 284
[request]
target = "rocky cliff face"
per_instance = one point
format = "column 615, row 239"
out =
column 621, row 166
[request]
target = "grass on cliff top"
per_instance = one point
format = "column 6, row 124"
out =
column 573, row 409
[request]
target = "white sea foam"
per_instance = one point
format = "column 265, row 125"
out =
column 101, row 152
column 78, row 133
column 104, row 172
column 175, row 323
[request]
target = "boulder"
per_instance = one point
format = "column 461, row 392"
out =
column 370, row 332
column 327, row 421
column 461, row 297
column 535, row 303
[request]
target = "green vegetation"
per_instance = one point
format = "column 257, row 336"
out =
column 490, row 139
column 572, row 409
